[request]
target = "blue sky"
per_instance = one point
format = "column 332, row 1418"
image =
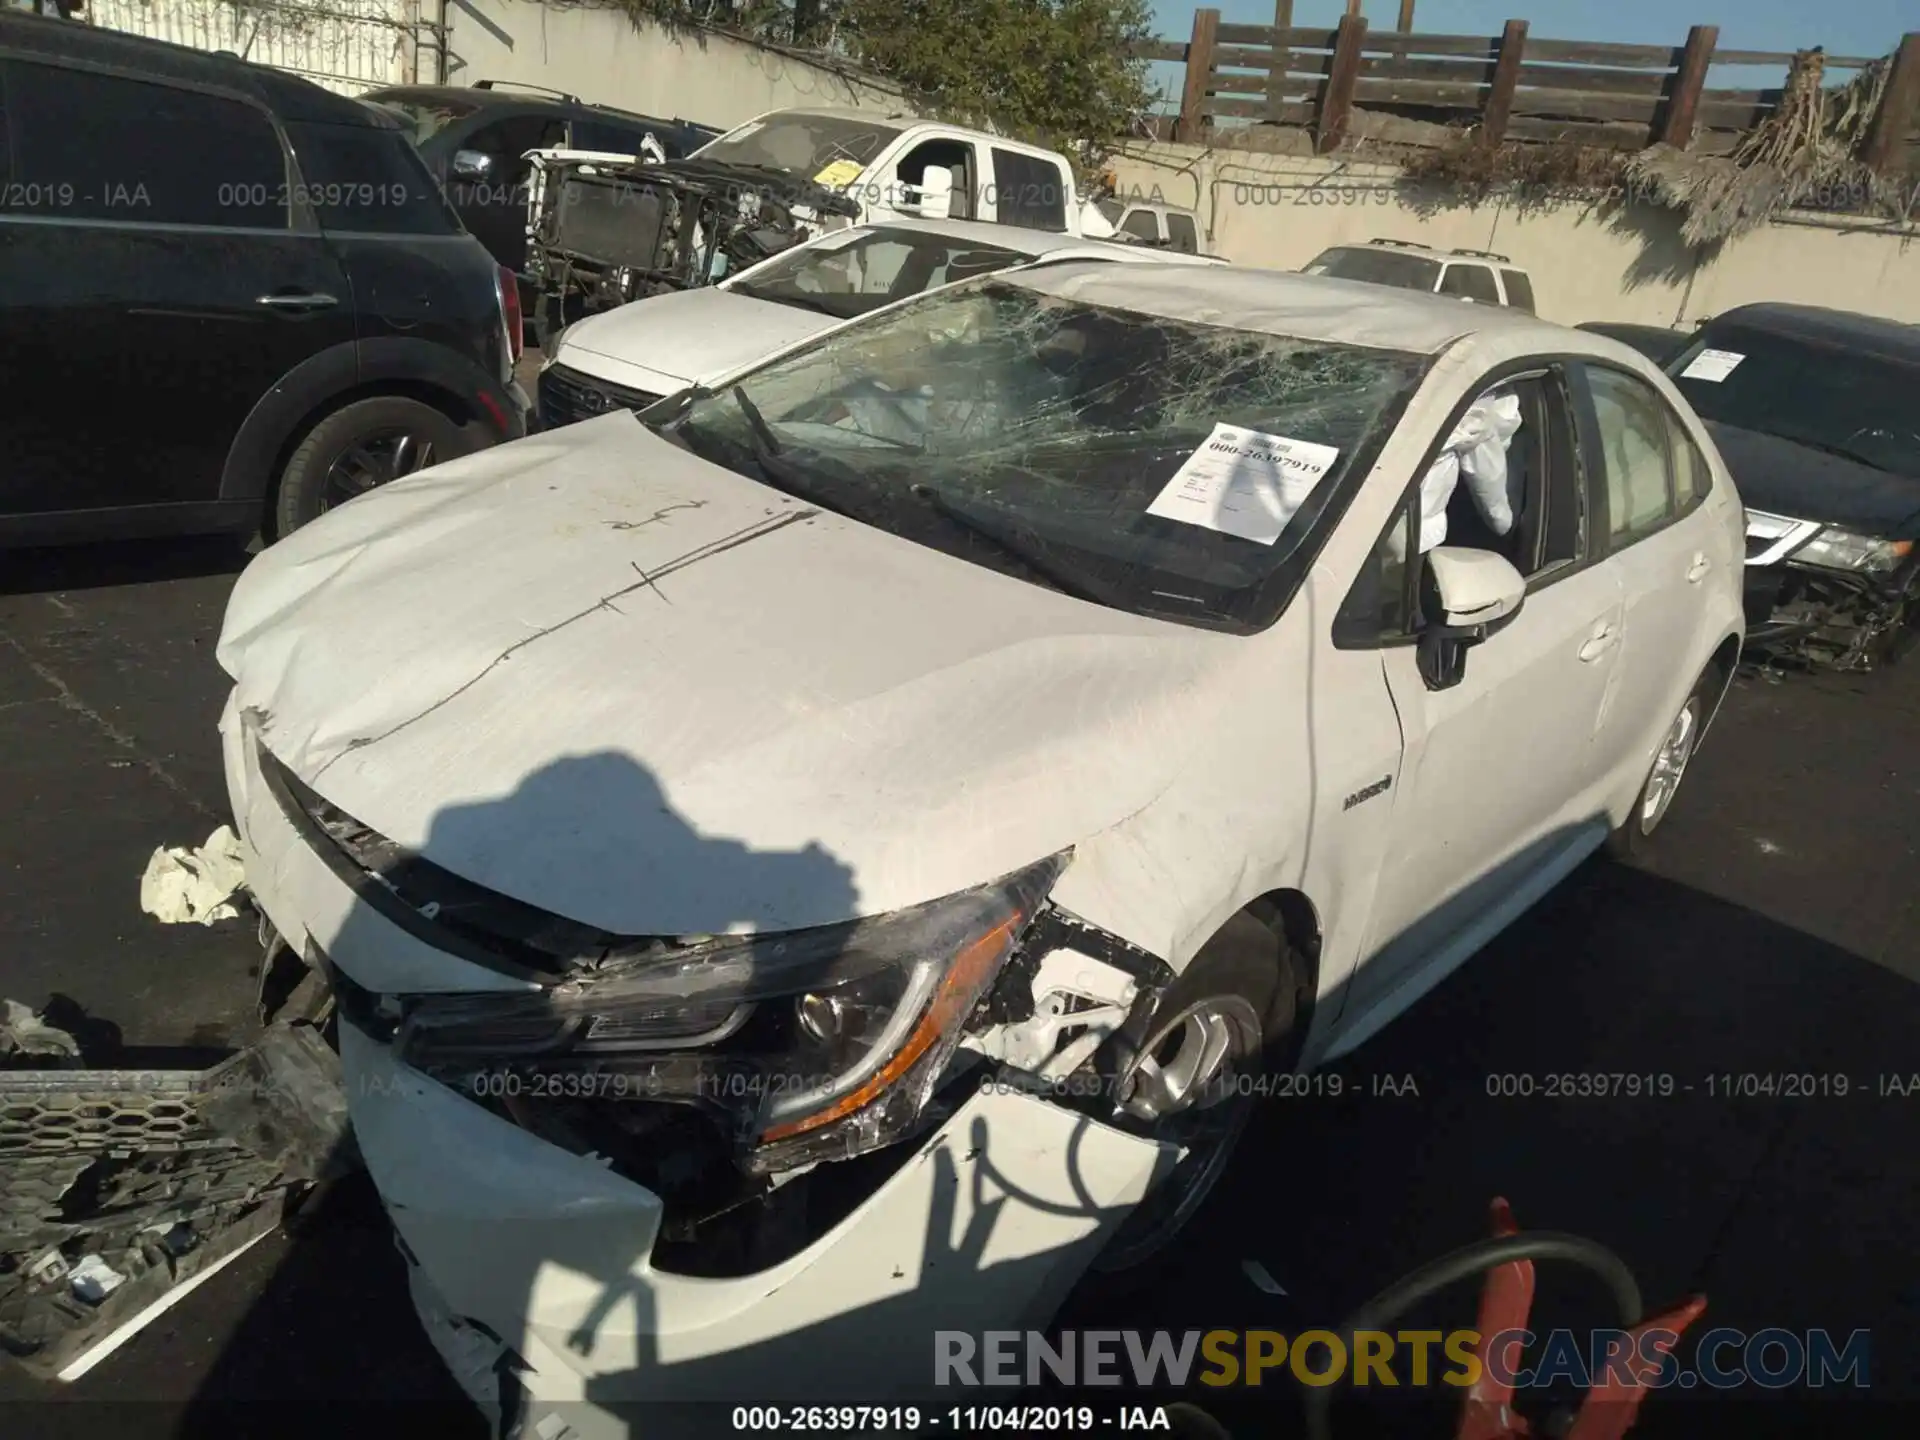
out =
column 1844, row 27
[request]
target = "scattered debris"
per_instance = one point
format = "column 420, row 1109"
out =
column 120, row 1190
column 198, row 885
column 22, row 1032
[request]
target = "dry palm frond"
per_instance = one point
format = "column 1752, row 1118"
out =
column 1803, row 151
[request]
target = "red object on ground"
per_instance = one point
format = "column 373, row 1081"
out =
column 1610, row 1407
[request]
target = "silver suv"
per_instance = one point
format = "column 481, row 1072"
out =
column 1479, row 276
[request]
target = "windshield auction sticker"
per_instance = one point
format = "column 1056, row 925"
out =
column 1244, row 482
column 1714, row 365
column 840, row 172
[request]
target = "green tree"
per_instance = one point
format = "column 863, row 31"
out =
column 1056, row 71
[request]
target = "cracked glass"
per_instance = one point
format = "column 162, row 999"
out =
column 1031, row 432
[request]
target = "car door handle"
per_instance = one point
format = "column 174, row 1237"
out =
column 1605, row 635
column 1697, row 571
column 296, row 300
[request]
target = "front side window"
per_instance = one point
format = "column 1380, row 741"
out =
column 845, row 277
column 102, row 147
column 1633, row 444
column 1828, row 397
column 804, row 145
column 1143, row 224
column 1378, row 265
column 1073, row 444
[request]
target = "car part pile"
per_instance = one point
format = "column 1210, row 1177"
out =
column 119, row 1189
column 601, row 234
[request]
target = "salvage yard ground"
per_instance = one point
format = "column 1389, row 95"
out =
column 1777, row 931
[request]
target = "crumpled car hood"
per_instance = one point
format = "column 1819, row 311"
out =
column 693, row 335
column 602, row 676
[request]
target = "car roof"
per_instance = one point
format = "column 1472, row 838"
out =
column 506, row 94
column 288, row 96
column 845, row 112
column 1309, row 307
column 1874, row 334
column 1034, row 243
column 1429, row 252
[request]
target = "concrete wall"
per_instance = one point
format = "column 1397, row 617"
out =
column 604, row 55
column 1589, row 261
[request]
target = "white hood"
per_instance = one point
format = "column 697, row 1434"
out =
column 688, row 335
column 596, row 673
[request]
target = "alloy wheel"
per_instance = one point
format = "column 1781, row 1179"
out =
column 372, row 461
column 1669, row 766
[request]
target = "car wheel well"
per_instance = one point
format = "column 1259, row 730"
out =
column 1294, row 918
column 448, row 402
column 1724, row 664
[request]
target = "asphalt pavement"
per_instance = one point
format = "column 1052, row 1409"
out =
column 1772, row 934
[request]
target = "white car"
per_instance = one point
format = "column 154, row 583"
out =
column 634, row 354
column 820, row 866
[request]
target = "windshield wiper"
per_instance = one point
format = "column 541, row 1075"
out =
column 1008, row 543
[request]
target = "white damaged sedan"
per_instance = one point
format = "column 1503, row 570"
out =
column 818, row 861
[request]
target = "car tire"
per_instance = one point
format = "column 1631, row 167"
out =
column 1633, row 839
column 1245, row 976
column 358, row 447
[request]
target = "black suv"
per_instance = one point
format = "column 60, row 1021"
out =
column 474, row 139
column 228, row 298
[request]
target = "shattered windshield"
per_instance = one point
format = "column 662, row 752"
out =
column 1378, row 267
column 1162, row 466
column 845, row 276
column 1845, row 402
column 804, row 145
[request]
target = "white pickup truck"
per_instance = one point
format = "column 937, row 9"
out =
column 603, row 229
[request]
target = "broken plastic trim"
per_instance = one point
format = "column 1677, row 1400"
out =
column 833, row 1038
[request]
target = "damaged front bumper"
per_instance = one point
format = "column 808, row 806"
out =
column 1823, row 615
column 556, row 1283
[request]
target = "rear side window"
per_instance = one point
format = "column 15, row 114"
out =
column 1029, row 191
column 1181, row 232
column 1692, row 476
column 1470, row 282
column 102, row 147
column 1633, row 441
column 359, row 177
column 1519, row 290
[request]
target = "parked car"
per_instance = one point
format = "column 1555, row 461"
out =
column 602, row 235
column 639, row 353
column 1657, row 342
column 475, row 140
column 1148, row 222
column 228, row 298
column 819, row 864
column 1816, row 413
column 1477, row 275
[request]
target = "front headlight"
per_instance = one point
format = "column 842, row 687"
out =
column 1837, row 549
column 813, row 1044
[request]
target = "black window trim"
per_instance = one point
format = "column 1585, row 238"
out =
column 1589, row 421
column 300, row 217
column 1563, row 370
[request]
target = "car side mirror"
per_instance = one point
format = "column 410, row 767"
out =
column 1471, row 594
column 936, row 194
column 472, row 164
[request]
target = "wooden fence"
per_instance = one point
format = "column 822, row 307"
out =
column 1510, row 86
